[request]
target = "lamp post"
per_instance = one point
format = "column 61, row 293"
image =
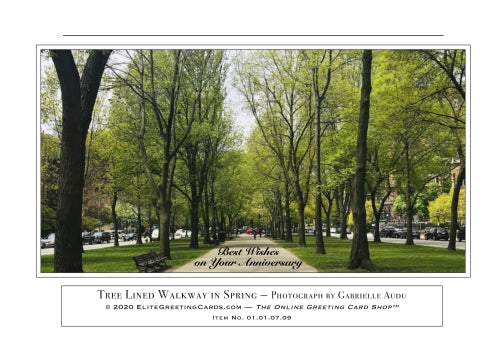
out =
column 437, row 214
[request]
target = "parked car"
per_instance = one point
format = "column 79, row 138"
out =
column 338, row 231
column 436, row 233
column 155, row 234
column 129, row 236
column 87, row 238
column 250, row 231
column 111, row 233
column 47, row 241
column 180, row 233
column 402, row 233
column 242, row 230
column 442, row 234
column 388, row 231
column 461, row 233
column 102, row 236
column 415, row 233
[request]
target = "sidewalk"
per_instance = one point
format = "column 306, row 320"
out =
column 244, row 254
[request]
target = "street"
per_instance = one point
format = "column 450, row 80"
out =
column 421, row 242
column 49, row 251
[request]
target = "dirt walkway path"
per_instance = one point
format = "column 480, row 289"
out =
column 246, row 254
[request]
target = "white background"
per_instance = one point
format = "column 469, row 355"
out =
column 252, row 306
column 31, row 307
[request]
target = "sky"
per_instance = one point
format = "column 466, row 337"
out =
column 243, row 119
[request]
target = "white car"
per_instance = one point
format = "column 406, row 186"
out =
column 47, row 241
column 182, row 233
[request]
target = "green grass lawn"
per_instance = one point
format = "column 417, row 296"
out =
column 120, row 259
column 387, row 257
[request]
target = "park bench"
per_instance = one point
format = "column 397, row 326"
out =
column 149, row 261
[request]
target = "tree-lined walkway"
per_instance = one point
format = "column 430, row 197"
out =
column 246, row 254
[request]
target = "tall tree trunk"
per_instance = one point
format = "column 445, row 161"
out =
column 166, row 128
column 206, row 214
column 78, row 97
column 164, row 228
column 359, row 256
column 214, row 213
column 409, row 205
column 288, row 216
column 319, row 237
column 301, row 211
column 139, row 223
column 319, row 98
column 195, row 202
column 222, row 226
column 114, row 219
column 342, row 203
column 328, row 223
column 301, row 227
column 454, row 207
column 329, row 195
column 377, row 213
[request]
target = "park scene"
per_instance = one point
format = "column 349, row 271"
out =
column 260, row 161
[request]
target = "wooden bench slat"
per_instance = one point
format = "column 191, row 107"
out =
column 150, row 260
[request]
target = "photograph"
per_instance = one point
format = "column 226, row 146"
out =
column 254, row 161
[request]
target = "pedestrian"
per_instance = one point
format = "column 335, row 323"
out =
column 254, row 232
column 260, row 232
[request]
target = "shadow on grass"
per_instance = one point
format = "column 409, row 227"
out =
column 120, row 259
column 386, row 257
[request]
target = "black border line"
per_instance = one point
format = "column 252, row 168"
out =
column 253, row 35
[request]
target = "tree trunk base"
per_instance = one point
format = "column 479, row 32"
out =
column 364, row 264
